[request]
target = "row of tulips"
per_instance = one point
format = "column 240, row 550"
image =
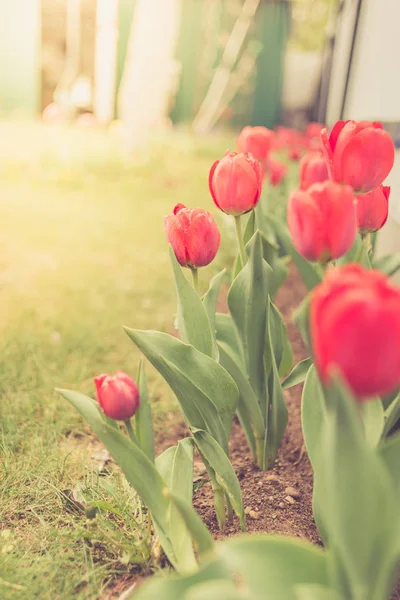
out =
column 235, row 362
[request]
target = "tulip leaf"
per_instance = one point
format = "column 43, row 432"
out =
column 217, row 590
column 210, row 298
column 280, row 342
column 199, row 532
column 372, row 415
column 231, row 359
column 205, row 391
column 355, row 500
column 302, row 320
column 193, row 322
column 310, row 274
column 315, row 592
column 277, row 410
column 312, row 414
column 175, row 466
column 138, row 469
column 389, row 451
column 143, row 418
column 358, row 253
column 387, row 264
column 249, row 231
column 216, row 458
column 272, row 567
column 298, row 373
column 248, row 304
column 391, row 415
column 173, row 587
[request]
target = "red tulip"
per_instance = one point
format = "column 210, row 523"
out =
column 372, row 209
column 193, row 235
column 359, row 154
column 117, row 395
column 322, row 221
column 355, row 328
column 276, row 171
column 313, row 130
column 257, row 141
column 236, row 183
column 313, row 169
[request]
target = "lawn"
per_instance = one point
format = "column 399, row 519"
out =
column 83, row 252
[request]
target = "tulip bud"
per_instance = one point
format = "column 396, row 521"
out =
column 355, row 328
column 322, row 221
column 193, row 235
column 235, row 183
column 359, row 154
column 117, row 395
column 276, row 171
column 313, row 130
column 257, row 141
column 372, row 209
column 313, row 169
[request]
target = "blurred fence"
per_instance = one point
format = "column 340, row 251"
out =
column 205, row 29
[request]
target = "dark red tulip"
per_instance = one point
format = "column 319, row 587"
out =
column 372, row 209
column 235, row 183
column 117, row 395
column 322, row 221
column 359, row 154
column 193, row 235
column 313, row 169
column 355, row 328
column 257, row 141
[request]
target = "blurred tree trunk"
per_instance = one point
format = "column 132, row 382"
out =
column 150, row 72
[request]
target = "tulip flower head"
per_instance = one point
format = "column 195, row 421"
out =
column 257, row 141
column 372, row 209
column 235, row 183
column 359, row 154
column 193, row 235
column 118, row 395
column 313, row 169
column 355, row 328
column 322, row 221
column 276, row 171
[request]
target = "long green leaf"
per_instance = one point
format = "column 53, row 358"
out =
column 389, row 450
column 312, row 414
column 361, row 534
column 298, row 373
column 143, row 418
column 373, row 419
column 277, row 408
column 175, row 466
column 138, row 469
column 280, row 342
column 201, row 536
column 212, row 452
column 248, row 304
column 316, row 592
column 206, row 392
column 271, row 567
column 193, row 323
column 391, row 416
column 302, row 320
column 310, row 274
column 210, row 298
column 217, row 590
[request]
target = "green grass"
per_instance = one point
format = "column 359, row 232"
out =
column 82, row 252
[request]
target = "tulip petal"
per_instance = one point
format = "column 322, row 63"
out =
column 202, row 240
column 176, row 237
column 367, row 159
column 372, row 209
column 210, row 183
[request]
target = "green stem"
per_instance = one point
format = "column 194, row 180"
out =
column 366, row 238
column 219, row 503
column 195, row 278
column 229, row 509
column 239, row 235
column 130, row 431
column 260, row 453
